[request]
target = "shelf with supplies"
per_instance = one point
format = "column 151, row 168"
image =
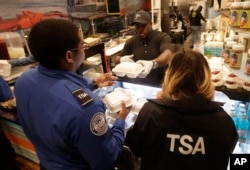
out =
column 95, row 61
column 239, row 93
column 235, row 94
column 156, row 14
column 240, row 30
column 240, row 73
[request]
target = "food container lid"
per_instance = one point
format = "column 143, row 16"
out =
column 246, row 84
column 130, row 69
column 113, row 99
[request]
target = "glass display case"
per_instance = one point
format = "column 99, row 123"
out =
column 238, row 109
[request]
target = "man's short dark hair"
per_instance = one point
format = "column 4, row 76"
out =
column 50, row 39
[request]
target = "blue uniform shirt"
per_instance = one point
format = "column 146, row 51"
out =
column 5, row 92
column 65, row 121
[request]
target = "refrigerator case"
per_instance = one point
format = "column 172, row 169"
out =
column 241, row 120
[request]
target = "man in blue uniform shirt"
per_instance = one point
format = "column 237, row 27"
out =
column 57, row 109
column 5, row 91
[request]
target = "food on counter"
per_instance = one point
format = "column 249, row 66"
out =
column 231, row 84
column 216, row 67
column 232, row 81
column 246, row 85
column 217, row 78
column 232, row 75
column 218, row 82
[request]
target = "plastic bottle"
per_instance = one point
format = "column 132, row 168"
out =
column 240, row 108
column 248, row 111
column 243, row 126
column 234, row 116
column 236, row 105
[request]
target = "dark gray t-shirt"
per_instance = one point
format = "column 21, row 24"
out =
column 149, row 49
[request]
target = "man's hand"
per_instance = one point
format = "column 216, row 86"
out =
column 106, row 79
column 124, row 111
column 127, row 58
column 147, row 65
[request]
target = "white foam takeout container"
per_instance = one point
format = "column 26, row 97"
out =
column 138, row 105
column 113, row 99
column 132, row 70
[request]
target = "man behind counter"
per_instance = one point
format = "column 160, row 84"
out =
column 148, row 47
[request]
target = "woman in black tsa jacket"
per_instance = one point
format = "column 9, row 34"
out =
column 184, row 128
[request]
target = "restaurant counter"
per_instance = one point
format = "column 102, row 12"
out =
column 139, row 88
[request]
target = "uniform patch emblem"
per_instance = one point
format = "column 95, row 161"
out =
column 98, row 124
column 82, row 97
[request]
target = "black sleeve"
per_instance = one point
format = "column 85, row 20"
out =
column 135, row 135
column 180, row 17
column 134, row 140
column 201, row 17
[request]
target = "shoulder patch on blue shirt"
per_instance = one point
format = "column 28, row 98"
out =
column 98, row 124
column 82, row 96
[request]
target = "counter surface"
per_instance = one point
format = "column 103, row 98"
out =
column 15, row 73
